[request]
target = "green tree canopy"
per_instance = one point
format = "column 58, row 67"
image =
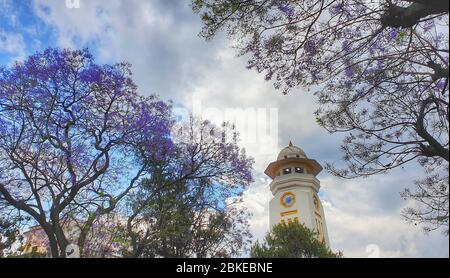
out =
column 292, row 240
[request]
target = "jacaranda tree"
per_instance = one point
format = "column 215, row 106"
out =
column 379, row 70
column 190, row 205
column 70, row 136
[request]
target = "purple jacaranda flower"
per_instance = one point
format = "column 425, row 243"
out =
column 393, row 33
column 286, row 9
column 336, row 9
column 310, row 47
column 442, row 84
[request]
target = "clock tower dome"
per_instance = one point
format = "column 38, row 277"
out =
column 295, row 187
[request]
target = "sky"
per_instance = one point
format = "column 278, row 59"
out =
column 160, row 39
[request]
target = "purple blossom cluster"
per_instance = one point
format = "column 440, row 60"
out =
column 72, row 111
column 393, row 33
column 286, row 8
column 336, row 9
column 311, row 47
column 216, row 151
column 442, row 84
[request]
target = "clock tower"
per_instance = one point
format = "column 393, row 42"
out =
column 294, row 187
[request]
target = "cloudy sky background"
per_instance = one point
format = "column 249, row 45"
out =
column 160, row 39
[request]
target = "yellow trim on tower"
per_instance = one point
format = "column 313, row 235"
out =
column 291, row 212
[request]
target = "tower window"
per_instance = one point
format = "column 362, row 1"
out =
column 297, row 155
column 286, row 171
column 299, row 170
column 285, row 156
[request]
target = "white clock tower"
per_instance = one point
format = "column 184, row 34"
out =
column 294, row 187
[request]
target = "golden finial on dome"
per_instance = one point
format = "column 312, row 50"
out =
column 290, row 143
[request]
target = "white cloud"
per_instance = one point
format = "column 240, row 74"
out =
column 74, row 24
column 7, row 11
column 367, row 211
column 13, row 44
column 256, row 199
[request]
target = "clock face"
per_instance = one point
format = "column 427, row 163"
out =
column 287, row 200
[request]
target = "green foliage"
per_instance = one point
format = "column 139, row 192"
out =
column 9, row 234
column 181, row 224
column 291, row 240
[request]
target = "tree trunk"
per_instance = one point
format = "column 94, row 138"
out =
column 401, row 17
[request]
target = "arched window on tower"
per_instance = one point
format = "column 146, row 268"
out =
column 299, row 170
column 286, row 171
